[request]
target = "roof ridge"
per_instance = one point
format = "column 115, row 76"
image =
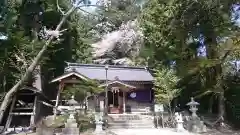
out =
column 69, row 64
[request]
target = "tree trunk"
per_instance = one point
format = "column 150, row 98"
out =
column 221, row 108
column 214, row 76
column 210, row 105
column 33, row 65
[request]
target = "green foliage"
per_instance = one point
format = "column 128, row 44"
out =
column 121, row 11
column 173, row 28
column 85, row 122
column 18, row 48
column 81, row 89
column 174, row 31
column 80, row 26
column 20, row 21
column 165, row 85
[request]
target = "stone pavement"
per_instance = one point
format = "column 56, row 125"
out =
column 160, row 131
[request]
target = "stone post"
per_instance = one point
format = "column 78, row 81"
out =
column 98, row 122
column 99, row 119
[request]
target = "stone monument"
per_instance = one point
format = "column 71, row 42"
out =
column 71, row 126
column 194, row 124
column 98, row 122
column 179, row 120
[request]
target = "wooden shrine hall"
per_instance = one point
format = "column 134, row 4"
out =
column 129, row 89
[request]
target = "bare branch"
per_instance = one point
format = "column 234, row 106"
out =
column 59, row 8
column 33, row 64
column 53, row 33
column 89, row 6
column 88, row 12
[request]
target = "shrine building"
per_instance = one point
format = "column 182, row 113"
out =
column 129, row 89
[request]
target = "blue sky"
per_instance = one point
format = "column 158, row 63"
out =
column 237, row 13
column 93, row 2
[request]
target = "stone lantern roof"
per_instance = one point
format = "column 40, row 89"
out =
column 192, row 102
column 72, row 101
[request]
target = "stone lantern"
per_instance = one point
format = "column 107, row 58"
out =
column 71, row 126
column 195, row 124
column 72, row 109
column 193, row 107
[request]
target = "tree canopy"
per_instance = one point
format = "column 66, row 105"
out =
column 187, row 43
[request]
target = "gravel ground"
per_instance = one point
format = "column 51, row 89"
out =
column 149, row 132
column 160, row 131
column 224, row 132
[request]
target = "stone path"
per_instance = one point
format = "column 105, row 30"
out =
column 148, row 132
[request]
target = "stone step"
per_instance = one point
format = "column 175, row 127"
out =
column 135, row 121
column 131, row 127
column 129, row 119
column 130, row 124
column 147, row 124
column 126, row 117
column 117, row 119
column 132, row 121
column 71, row 131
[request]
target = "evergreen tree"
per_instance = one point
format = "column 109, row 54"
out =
column 175, row 30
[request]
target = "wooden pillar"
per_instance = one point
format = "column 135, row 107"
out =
column 60, row 88
column 113, row 93
column 106, row 101
column 124, row 102
column 118, row 99
column 32, row 120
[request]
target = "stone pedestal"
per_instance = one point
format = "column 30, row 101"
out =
column 71, row 126
column 45, row 131
column 179, row 120
column 99, row 122
column 180, row 126
column 196, row 125
column 99, row 127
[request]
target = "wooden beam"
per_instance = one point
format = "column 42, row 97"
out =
column 64, row 76
column 20, row 113
column 59, row 100
column 23, row 108
column 61, row 86
column 9, row 120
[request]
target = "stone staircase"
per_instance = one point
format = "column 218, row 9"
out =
column 129, row 121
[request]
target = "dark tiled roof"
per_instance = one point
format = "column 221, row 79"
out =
column 123, row 73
